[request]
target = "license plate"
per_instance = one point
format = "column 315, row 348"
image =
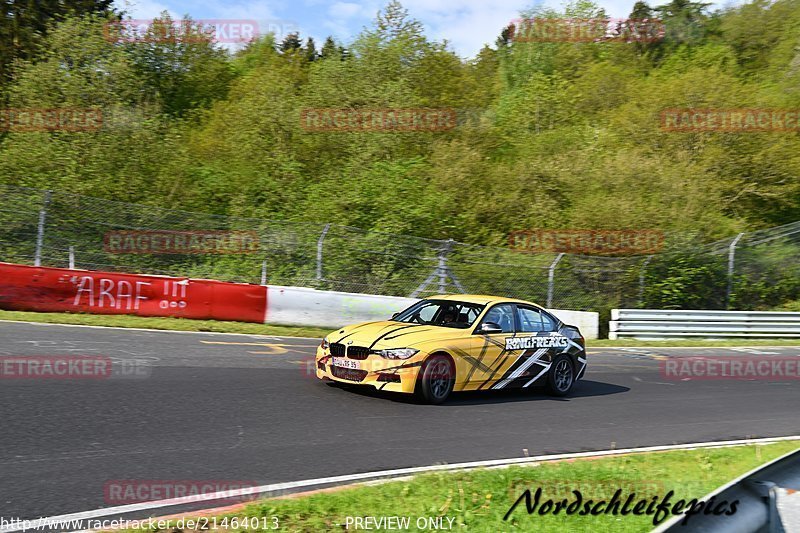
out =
column 346, row 363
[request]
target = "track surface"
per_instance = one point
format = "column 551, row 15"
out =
column 242, row 407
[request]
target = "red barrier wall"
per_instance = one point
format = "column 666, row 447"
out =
column 27, row 288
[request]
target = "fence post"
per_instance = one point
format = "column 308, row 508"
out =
column 37, row 257
column 641, row 279
column 319, row 250
column 551, row 279
column 72, row 258
column 731, row 259
column 443, row 265
column 264, row 272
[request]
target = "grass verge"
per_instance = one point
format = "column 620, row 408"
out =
column 478, row 500
column 172, row 324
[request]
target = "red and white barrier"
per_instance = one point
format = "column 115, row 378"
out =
column 27, row 288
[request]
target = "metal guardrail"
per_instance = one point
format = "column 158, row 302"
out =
column 656, row 323
column 768, row 500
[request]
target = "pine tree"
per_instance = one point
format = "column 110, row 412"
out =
column 328, row 48
column 311, row 50
column 291, row 42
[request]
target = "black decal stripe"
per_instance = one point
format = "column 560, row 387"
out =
column 500, row 362
column 389, row 333
column 480, row 360
column 408, row 332
column 516, row 364
column 476, row 363
column 355, row 329
column 518, row 383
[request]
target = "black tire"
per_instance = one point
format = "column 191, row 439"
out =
column 436, row 379
column 561, row 376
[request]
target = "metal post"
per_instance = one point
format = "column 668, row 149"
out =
column 264, row 272
column 72, row 258
column 551, row 279
column 731, row 258
column 319, row 251
column 37, row 258
column 443, row 266
column 641, row 279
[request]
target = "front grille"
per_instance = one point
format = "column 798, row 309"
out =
column 357, row 352
column 348, row 373
column 337, row 349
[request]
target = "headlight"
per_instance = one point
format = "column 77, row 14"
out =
column 324, row 344
column 398, row 353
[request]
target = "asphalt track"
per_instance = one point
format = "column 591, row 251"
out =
column 243, row 407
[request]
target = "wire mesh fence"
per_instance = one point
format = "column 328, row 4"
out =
column 756, row 270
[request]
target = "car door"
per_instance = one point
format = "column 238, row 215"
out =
column 538, row 342
column 487, row 354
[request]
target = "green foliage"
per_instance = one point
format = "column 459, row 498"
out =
column 548, row 135
column 686, row 282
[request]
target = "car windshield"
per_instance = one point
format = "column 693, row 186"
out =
column 444, row 313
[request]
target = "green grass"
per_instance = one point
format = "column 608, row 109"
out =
column 172, row 324
column 478, row 500
column 183, row 324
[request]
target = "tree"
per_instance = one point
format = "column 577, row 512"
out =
column 329, row 49
column 311, row 50
column 24, row 25
column 182, row 67
column 291, row 43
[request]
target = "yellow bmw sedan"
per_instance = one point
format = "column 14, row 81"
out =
column 457, row 343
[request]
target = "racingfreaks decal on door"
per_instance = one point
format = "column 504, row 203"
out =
column 536, row 352
column 519, row 343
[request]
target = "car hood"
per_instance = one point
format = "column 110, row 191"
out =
column 389, row 334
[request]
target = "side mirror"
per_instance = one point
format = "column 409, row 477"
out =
column 487, row 328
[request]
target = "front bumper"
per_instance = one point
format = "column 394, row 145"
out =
column 396, row 375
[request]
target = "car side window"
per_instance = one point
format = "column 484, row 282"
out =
column 502, row 315
column 428, row 311
column 533, row 320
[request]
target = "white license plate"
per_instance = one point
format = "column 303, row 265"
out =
column 346, row 363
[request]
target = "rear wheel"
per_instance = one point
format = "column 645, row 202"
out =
column 436, row 380
column 561, row 377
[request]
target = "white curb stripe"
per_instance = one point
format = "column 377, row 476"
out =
column 384, row 474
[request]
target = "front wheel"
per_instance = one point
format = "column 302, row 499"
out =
column 437, row 379
column 561, row 377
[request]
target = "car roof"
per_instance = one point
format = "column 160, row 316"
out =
column 482, row 299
